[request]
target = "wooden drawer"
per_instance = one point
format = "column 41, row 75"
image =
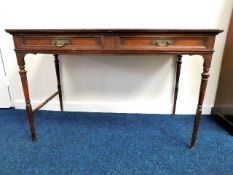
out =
column 161, row 43
column 63, row 43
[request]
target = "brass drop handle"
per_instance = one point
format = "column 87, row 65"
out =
column 60, row 43
column 163, row 43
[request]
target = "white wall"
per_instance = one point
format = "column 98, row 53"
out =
column 5, row 101
column 115, row 83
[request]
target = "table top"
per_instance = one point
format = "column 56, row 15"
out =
column 25, row 31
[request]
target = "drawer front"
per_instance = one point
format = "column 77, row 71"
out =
column 161, row 43
column 64, row 43
column 121, row 43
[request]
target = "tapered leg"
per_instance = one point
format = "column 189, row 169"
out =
column 23, row 76
column 178, row 68
column 205, row 75
column 56, row 60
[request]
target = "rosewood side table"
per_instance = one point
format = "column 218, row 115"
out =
column 114, row 42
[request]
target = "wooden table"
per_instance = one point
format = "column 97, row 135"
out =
column 114, row 42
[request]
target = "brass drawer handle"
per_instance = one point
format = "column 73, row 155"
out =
column 60, row 43
column 163, row 43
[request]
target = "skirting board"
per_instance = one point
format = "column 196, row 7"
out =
column 145, row 108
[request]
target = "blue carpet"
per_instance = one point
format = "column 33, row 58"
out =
column 111, row 144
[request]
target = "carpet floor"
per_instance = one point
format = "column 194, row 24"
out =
column 78, row 143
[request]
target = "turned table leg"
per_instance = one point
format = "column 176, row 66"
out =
column 205, row 75
column 178, row 68
column 56, row 61
column 23, row 76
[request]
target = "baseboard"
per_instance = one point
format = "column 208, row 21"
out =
column 147, row 108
